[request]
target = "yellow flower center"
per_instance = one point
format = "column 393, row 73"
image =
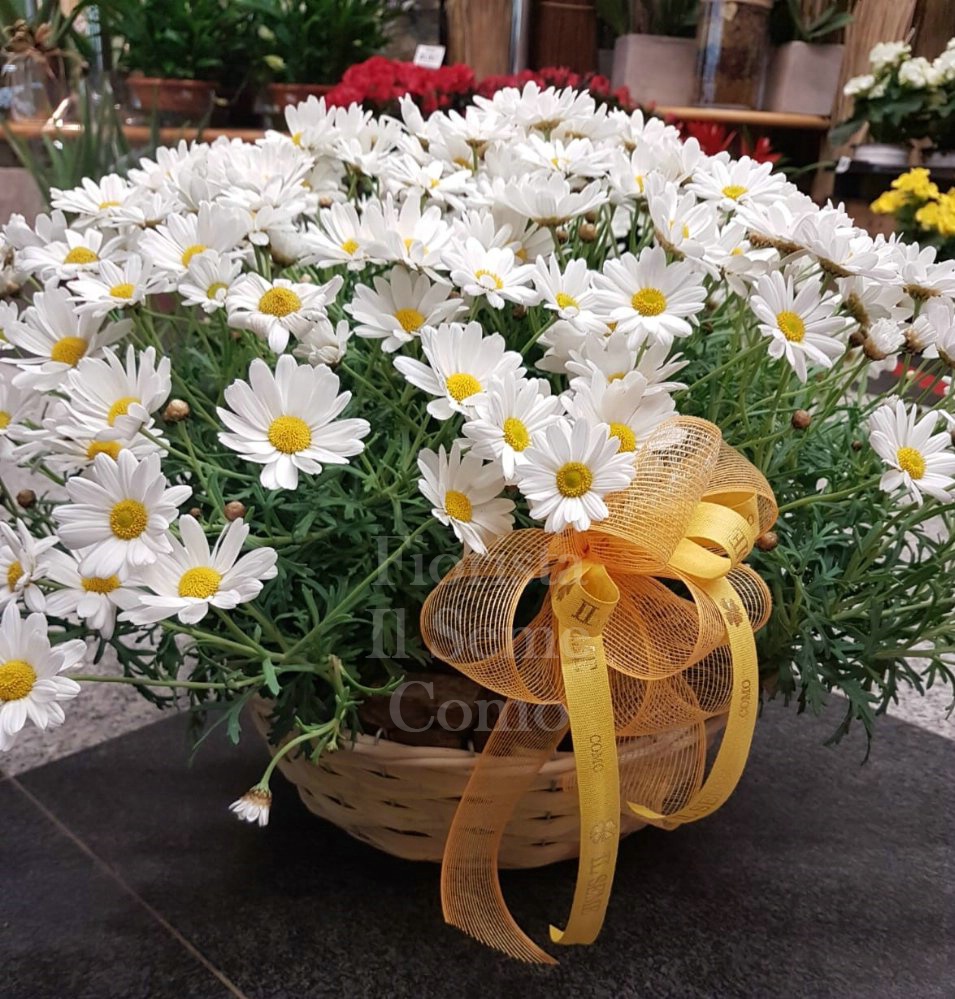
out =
column 68, row 350
column 616, row 376
column 123, row 290
column 128, row 519
column 201, row 582
column 574, row 479
column 521, row 254
column 112, row 448
column 14, row 572
column 791, row 326
column 120, row 408
column 5, row 418
column 565, row 301
column 100, row 584
column 515, row 434
column 190, row 251
column 462, row 385
column 910, row 460
column 411, row 319
column 623, row 433
column 213, row 290
column 297, row 139
column 350, row 246
column 649, row 302
column 495, row 278
column 279, row 302
column 734, row 191
column 17, row 678
column 457, row 505
column 289, row 434
column 103, row 205
column 80, row 255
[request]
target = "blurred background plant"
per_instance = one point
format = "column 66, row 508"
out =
column 810, row 21
column 922, row 213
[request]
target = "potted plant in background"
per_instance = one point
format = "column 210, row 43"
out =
column 804, row 70
column 654, row 55
column 733, row 43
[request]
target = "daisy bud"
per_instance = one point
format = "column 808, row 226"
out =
column 195, row 512
column 856, row 445
column 587, row 233
column 176, row 411
column 519, row 311
column 26, row 498
column 561, row 235
column 590, row 216
column 235, row 334
column 325, row 201
column 801, row 420
column 306, row 279
column 768, row 541
column 234, row 510
column 857, row 338
column 253, row 806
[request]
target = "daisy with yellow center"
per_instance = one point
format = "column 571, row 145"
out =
column 116, row 287
column 93, row 599
column 684, row 226
column 567, row 475
column 78, row 251
column 191, row 577
column 182, row 238
column 208, row 279
column 288, row 421
column 492, row 273
column 23, row 561
column 569, row 294
column 464, row 493
column 727, row 184
column 919, row 460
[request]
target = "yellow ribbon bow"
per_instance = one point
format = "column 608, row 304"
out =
column 648, row 630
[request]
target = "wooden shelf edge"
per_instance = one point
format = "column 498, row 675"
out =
column 745, row 116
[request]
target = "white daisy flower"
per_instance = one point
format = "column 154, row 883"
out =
column 569, row 294
column 919, row 460
column 93, row 599
column 549, row 200
column 921, row 275
column 803, row 325
column 30, row 683
column 614, row 357
column 116, row 286
column 288, row 421
column 78, row 252
column 9, row 314
column 254, row 805
column 407, row 234
column 94, row 202
column 274, row 310
column 493, row 273
column 340, row 238
column 464, row 493
column 172, row 246
column 738, row 182
column 191, row 578
column 567, row 475
column 23, row 561
column 648, row 297
column 119, row 513
column 208, row 279
column 510, row 416
column 400, row 306
column 461, row 363
column 324, row 343
column 935, row 320
column 884, row 339
column 682, row 224
column 17, row 406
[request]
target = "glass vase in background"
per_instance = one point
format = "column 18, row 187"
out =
column 732, row 49
column 34, row 89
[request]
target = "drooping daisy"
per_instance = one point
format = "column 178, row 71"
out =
column 30, row 683
column 93, row 599
column 208, row 279
column 461, row 363
column 648, row 297
column 567, row 475
column 569, row 294
column 115, row 286
column 191, row 578
column 509, row 416
column 464, row 493
column 274, row 310
column 682, row 224
column 803, row 325
column 118, row 514
column 288, row 421
column 254, row 805
column 173, row 245
column 919, row 460
column 114, row 399
column 492, row 273
column 884, row 340
column 400, row 306
column 23, row 560
column 324, row 343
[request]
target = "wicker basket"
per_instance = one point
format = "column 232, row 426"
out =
column 401, row 799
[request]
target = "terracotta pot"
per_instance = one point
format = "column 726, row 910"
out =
column 656, row 69
column 803, row 79
column 187, row 99
column 280, row 95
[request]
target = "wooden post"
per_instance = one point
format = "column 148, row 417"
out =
column 565, row 34
column 934, row 25
column 479, row 34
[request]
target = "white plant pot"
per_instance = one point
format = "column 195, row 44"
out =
column 803, row 79
column 656, row 69
column 882, row 154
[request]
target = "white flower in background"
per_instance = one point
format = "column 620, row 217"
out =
column 117, row 399
column 407, row 234
column 682, row 224
column 919, row 74
column 341, row 237
column 191, row 578
column 409, row 178
column 172, row 246
column 884, row 339
column 118, row 514
column 94, row 202
column 324, row 343
column 493, row 273
column 461, row 363
column 208, row 279
column 548, row 201
column 566, row 476
column 626, row 406
column 93, row 599
column 116, row 286
column 45, row 229
column 23, row 561
column 56, row 336
column 274, row 310
column 400, row 306
column 935, row 320
column 464, row 493
column 735, row 257
column 802, row 324
column 867, row 301
column 886, row 54
column 288, row 422
column 17, row 406
column 919, row 460
column 569, row 294
column 859, row 86
column 921, row 275
column 730, row 183
column 77, row 252
column 254, row 805
column 31, row 687
column 577, row 157
column 509, row 416
column 647, row 296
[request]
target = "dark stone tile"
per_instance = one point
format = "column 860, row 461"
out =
column 820, row 878
column 68, row 929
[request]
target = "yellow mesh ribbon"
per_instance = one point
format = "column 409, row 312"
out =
column 648, row 632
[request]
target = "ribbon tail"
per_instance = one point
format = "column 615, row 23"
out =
column 522, row 741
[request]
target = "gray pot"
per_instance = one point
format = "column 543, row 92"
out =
column 656, row 69
column 803, row 79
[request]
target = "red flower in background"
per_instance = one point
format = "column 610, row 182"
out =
column 715, row 137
